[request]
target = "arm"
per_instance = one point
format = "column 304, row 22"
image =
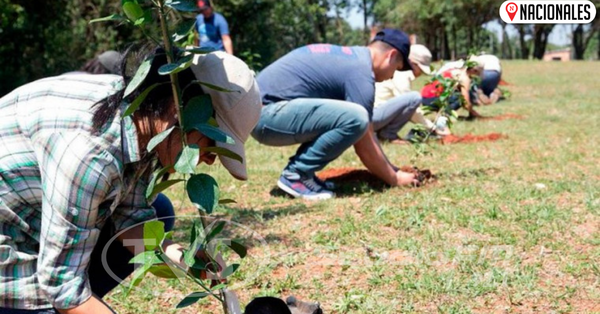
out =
column 76, row 178
column 92, row 305
column 224, row 31
column 465, row 86
column 370, row 153
column 227, row 43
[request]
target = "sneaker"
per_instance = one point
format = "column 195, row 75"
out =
column 327, row 185
column 306, row 188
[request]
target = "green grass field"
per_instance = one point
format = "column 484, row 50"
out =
column 511, row 226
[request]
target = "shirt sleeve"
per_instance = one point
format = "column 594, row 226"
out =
column 362, row 92
column 223, row 26
column 76, row 178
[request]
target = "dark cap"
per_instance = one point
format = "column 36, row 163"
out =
column 398, row 40
column 203, row 4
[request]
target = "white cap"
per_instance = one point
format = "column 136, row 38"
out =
column 236, row 112
column 477, row 59
column 420, row 55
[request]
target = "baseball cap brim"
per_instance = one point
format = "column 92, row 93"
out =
column 424, row 68
column 236, row 168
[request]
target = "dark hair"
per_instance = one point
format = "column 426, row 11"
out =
column 267, row 305
column 94, row 67
column 385, row 47
column 157, row 102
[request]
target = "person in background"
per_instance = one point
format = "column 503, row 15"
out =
column 212, row 29
column 396, row 103
column 488, row 91
column 463, row 76
column 74, row 174
column 321, row 96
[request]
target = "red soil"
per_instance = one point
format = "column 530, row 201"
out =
column 470, row 138
column 504, row 83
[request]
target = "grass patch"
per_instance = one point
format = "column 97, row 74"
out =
column 511, row 226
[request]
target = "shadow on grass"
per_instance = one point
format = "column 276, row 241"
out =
column 247, row 223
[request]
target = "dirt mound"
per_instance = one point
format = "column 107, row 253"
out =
column 470, row 138
column 350, row 175
column 506, row 116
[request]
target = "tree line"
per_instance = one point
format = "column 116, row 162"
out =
column 43, row 38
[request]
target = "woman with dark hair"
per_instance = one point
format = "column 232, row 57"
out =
column 73, row 175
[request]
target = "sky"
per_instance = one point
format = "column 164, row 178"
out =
column 560, row 35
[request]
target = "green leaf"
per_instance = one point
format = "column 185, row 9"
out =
column 238, row 248
column 189, row 255
column 159, row 138
column 197, row 110
column 217, row 88
column 192, row 298
column 201, row 51
column 188, row 159
column 147, row 257
column 223, row 152
column 226, row 201
column 163, row 186
column 138, row 100
column 218, row 227
column 139, row 76
column 217, row 287
column 203, row 191
column 154, row 232
column 213, row 122
column 211, row 132
column 155, row 176
column 165, row 271
column 229, row 270
column 172, row 68
column 132, row 9
column 113, row 17
column 183, row 29
column 138, row 276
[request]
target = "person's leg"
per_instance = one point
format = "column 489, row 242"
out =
column 430, row 102
column 391, row 116
column 490, row 81
column 325, row 127
column 118, row 256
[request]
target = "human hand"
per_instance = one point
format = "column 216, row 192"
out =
column 406, row 178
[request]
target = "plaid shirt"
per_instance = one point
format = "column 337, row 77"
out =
column 58, row 185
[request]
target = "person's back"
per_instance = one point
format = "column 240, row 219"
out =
column 491, row 62
column 320, row 71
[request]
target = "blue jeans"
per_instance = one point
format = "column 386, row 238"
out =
column 324, row 127
column 392, row 115
column 490, row 81
column 454, row 102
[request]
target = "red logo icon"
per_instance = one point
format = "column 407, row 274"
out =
column 511, row 9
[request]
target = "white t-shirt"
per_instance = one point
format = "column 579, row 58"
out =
column 396, row 86
column 451, row 65
column 492, row 63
